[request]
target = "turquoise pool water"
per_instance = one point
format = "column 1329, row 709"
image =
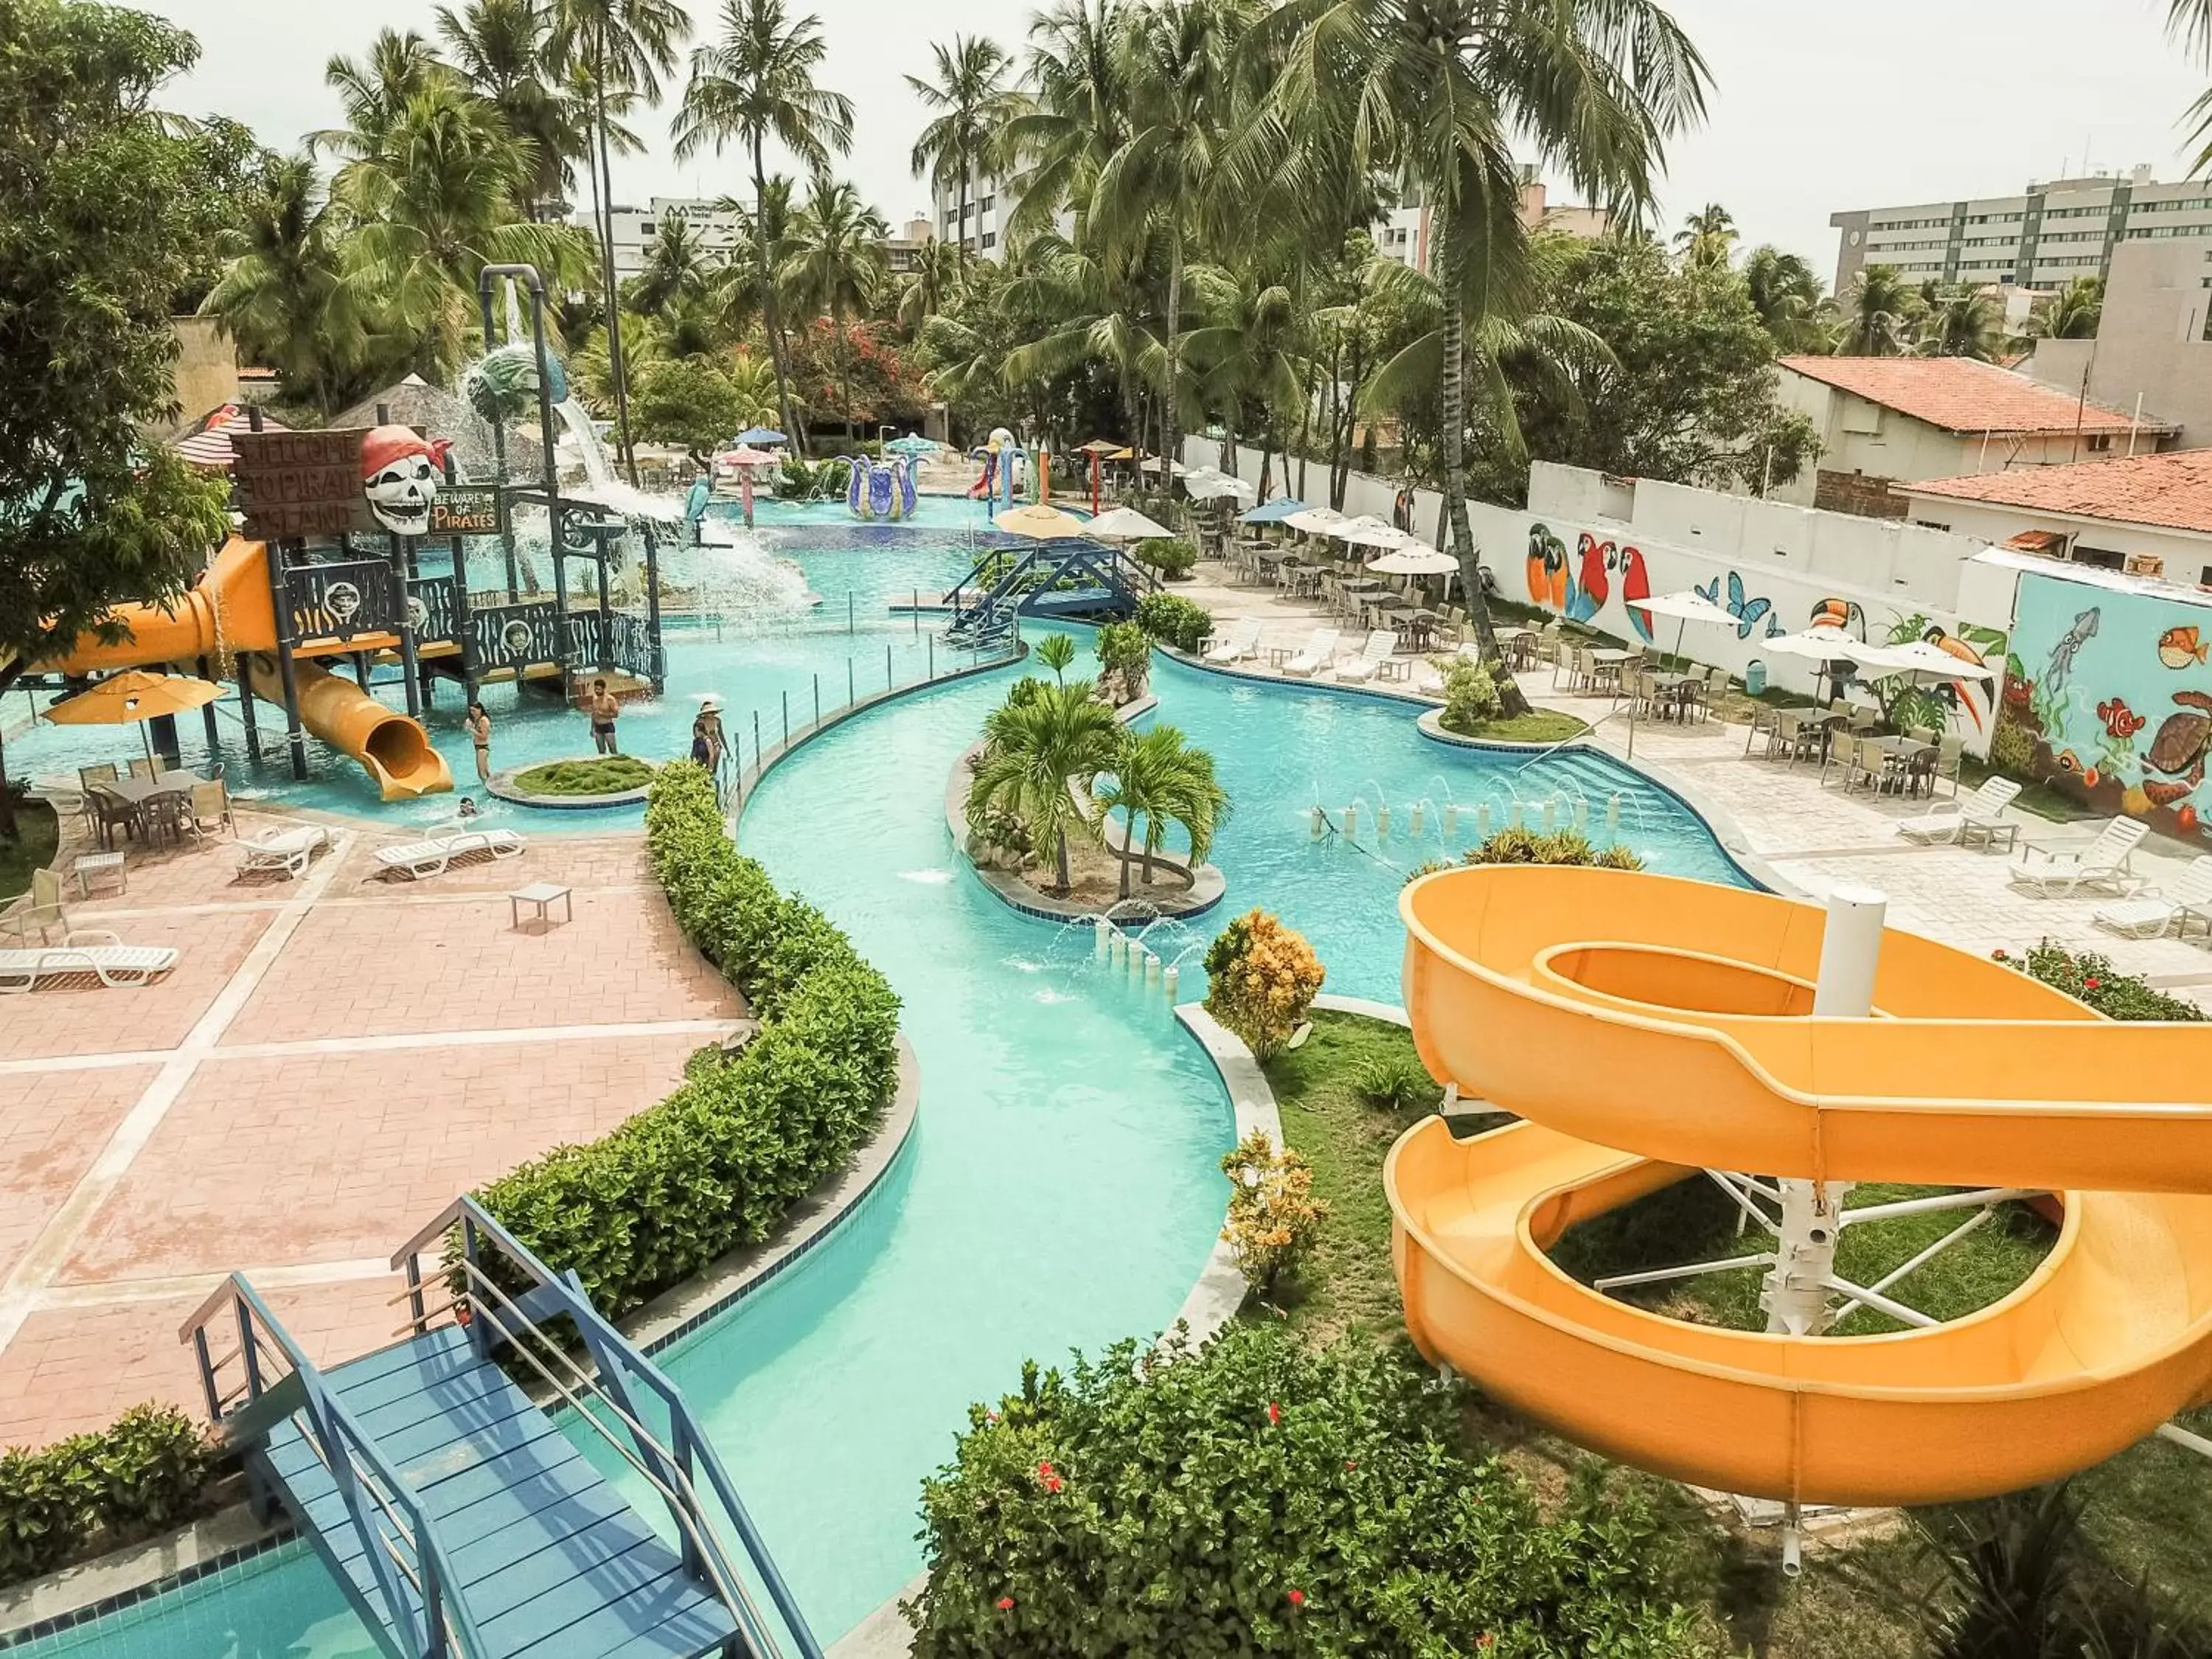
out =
column 1061, row 1187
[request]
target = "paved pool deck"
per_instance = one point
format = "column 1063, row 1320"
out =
column 333, row 1058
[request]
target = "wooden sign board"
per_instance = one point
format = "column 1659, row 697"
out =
column 299, row 483
column 466, row 510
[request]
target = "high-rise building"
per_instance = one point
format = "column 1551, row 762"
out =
column 635, row 229
column 2043, row 238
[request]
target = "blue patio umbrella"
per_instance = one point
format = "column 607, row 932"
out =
column 1273, row 511
column 761, row 434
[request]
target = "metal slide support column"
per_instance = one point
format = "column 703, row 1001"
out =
column 207, row 709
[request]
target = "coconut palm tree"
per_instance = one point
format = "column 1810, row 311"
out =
column 754, row 81
column 1034, row 751
column 675, row 270
column 502, row 47
column 1158, row 776
column 1102, row 317
column 1962, row 322
column 374, row 89
column 1075, row 115
column 1707, row 238
column 971, row 101
column 837, row 265
column 616, row 47
column 1249, row 348
column 2072, row 313
column 1880, row 312
column 1785, row 292
column 1439, row 94
column 435, row 201
column 930, row 284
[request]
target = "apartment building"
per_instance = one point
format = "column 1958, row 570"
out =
column 635, row 229
column 2043, row 238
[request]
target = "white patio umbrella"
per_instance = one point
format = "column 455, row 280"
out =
column 1314, row 521
column 1686, row 607
column 1385, row 538
column 1824, row 643
column 1361, row 531
column 1416, row 558
column 1125, row 523
column 1920, row 659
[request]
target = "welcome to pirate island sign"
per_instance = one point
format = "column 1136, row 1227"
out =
column 332, row 482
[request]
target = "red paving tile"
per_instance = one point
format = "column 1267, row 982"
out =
column 578, row 861
column 55, row 1126
column 377, row 970
column 72, row 1369
column 86, row 1018
column 351, row 1152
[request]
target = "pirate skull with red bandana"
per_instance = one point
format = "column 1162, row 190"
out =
column 400, row 474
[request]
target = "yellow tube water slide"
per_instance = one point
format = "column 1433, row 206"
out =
column 230, row 609
column 1645, row 1027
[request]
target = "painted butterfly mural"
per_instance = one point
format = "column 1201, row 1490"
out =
column 1748, row 613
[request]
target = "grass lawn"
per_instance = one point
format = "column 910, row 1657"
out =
column 2147, row 1514
column 37, row 832
column 608, row 774
column 2039, row 800
column 1537, row 725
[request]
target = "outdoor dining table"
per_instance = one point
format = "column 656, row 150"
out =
column 1606, row 662
column 1904, row 755
column 1673, row 693
column 139, row 795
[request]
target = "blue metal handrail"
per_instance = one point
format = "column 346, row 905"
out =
column 437, row 1624
column 619, row 1363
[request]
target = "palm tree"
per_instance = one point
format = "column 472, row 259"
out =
column 1158, row 190
column 501, row 47
column 2190, row 23
column 755, row 81
column 1034, row 751
column 1707, row 237
column 1878, row 314
column 616, row 46
column 2072, row 313
column 1076, row 114
column 754, row 383
column 969, row 94
column 1055, row 652
column 1962, row 322
column 930, row 284
column 1100, row 317
column 374, row 90
column 1159, row 777
column 1785, row 292
column 837, row 265
column 435, row 201
column 675, row 270
column 1438, row 93
column 1249, row 347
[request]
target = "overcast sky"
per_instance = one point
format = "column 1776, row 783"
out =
column 1813, row 108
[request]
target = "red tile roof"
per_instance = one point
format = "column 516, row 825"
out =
column 1961, row 395
column 2173, row 492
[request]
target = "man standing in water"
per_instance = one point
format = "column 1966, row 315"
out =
column 604, row 709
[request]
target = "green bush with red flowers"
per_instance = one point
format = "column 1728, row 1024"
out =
column 1256, row 1498
column 2090, row 978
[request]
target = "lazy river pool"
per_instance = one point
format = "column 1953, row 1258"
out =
column 1061, row 1190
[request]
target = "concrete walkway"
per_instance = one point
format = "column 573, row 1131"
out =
column 332, row 1061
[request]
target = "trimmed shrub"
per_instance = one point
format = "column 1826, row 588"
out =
column 1125, row 657
column 1255, row 1497
column 1471, row 699
column 1275, row 1220
column 719, row 1162
column 110, row 1487
column 2092, row 979
column 1171, row 555
column 1175, row 621
column 1560, row 847
column 1262, row 979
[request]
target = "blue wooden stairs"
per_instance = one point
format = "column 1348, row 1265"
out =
column 462, row 1520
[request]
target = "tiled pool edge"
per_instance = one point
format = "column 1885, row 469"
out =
column 1212, row 1302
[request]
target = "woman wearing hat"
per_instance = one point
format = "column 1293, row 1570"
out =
column 707, row 739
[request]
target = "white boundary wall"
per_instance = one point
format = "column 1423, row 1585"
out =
column 1739, row 550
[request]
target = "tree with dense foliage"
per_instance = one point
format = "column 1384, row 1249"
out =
column 1034, row 750
column 1879, row 314
column 754, row 81
column 504, row 48
column 970, row 103
column 1159, row 777
column 1707, row 238
column 837, row 266
column 1962, row 322
column 2072, row 313
column 1786, row 293
column 106, row 206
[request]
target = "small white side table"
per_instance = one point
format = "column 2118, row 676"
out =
column 90, row 865
column 540, row 894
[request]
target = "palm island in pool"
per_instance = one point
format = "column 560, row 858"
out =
column 1058, row 1188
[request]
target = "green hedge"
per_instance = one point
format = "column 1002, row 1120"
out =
column 719, row 1162
column 141, row 1474
column 1173, row 620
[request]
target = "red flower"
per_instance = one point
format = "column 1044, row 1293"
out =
column 1349, row 1464
column 2091, row 984
column 1006, row 1604
column 1052, row 1483
column 1486, row 1641
column 1274, row 1412
column 1297, row 1598
column 1997, row 955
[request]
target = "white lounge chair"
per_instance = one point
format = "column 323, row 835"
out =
column 2188, row 894
column 1240, row 640
column 1319, row 651
column 1381, row 644
column 2101, row 866
column 1979, row 810
column 88, row 951
column 432, row 854
column 288, row 850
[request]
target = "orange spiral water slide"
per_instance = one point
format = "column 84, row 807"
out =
column 1644, row 1028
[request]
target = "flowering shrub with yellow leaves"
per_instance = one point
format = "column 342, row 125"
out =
column 1274, row 1216
column 1262, row 979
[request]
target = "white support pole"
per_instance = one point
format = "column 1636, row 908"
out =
column 1797, row 1294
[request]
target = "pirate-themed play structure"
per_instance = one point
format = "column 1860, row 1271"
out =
column 329, row 568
